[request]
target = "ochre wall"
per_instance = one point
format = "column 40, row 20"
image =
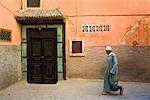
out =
column 7, row 20
column 81, row 12
column 126, row 29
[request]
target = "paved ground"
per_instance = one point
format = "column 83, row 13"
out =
column 73, row 89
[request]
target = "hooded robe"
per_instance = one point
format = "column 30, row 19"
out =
column 111, row 73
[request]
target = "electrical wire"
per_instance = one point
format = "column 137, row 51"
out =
column 5, row 7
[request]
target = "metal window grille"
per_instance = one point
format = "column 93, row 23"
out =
column 33, row 3
column 5, row 35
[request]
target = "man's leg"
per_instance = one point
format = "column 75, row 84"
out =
column 106, row 89
column 121, row 90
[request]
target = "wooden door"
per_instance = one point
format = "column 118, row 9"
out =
column 42, row 56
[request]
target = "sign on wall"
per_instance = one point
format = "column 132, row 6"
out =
column 5, row 35
column 95, row 28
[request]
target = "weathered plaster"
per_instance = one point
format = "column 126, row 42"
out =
column 10, row 65
column 133, row 63
column 138, row 34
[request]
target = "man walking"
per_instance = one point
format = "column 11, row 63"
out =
column 111, row 73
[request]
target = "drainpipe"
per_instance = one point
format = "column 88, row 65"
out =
column 21, row 4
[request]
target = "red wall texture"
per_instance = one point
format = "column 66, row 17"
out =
column 8, row 8
column 128, row 20
column 123, row 16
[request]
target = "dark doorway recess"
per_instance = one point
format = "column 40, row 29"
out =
column 42, row 55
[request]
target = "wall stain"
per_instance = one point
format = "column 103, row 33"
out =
column 138, row 33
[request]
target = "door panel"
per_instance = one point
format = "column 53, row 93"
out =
column 42, row 60
column 50, row 60
column 49, row 47
column 35, row 60
column 49, row 74
column 36, row 70
column 36, row 45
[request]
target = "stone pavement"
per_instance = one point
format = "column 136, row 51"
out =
column 73, row 89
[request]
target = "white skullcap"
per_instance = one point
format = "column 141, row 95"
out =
column 108, row 48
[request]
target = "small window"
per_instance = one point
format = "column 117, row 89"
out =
column 76, row 47
column 33, row 3
column 5, row 35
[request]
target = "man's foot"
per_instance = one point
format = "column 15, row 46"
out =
column 105, row 93
column 121, row 90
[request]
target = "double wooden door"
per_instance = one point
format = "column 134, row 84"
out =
column 42, row 56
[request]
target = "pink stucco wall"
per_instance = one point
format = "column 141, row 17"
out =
column 82, row 12
column 7, row 20
column 95, row 7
